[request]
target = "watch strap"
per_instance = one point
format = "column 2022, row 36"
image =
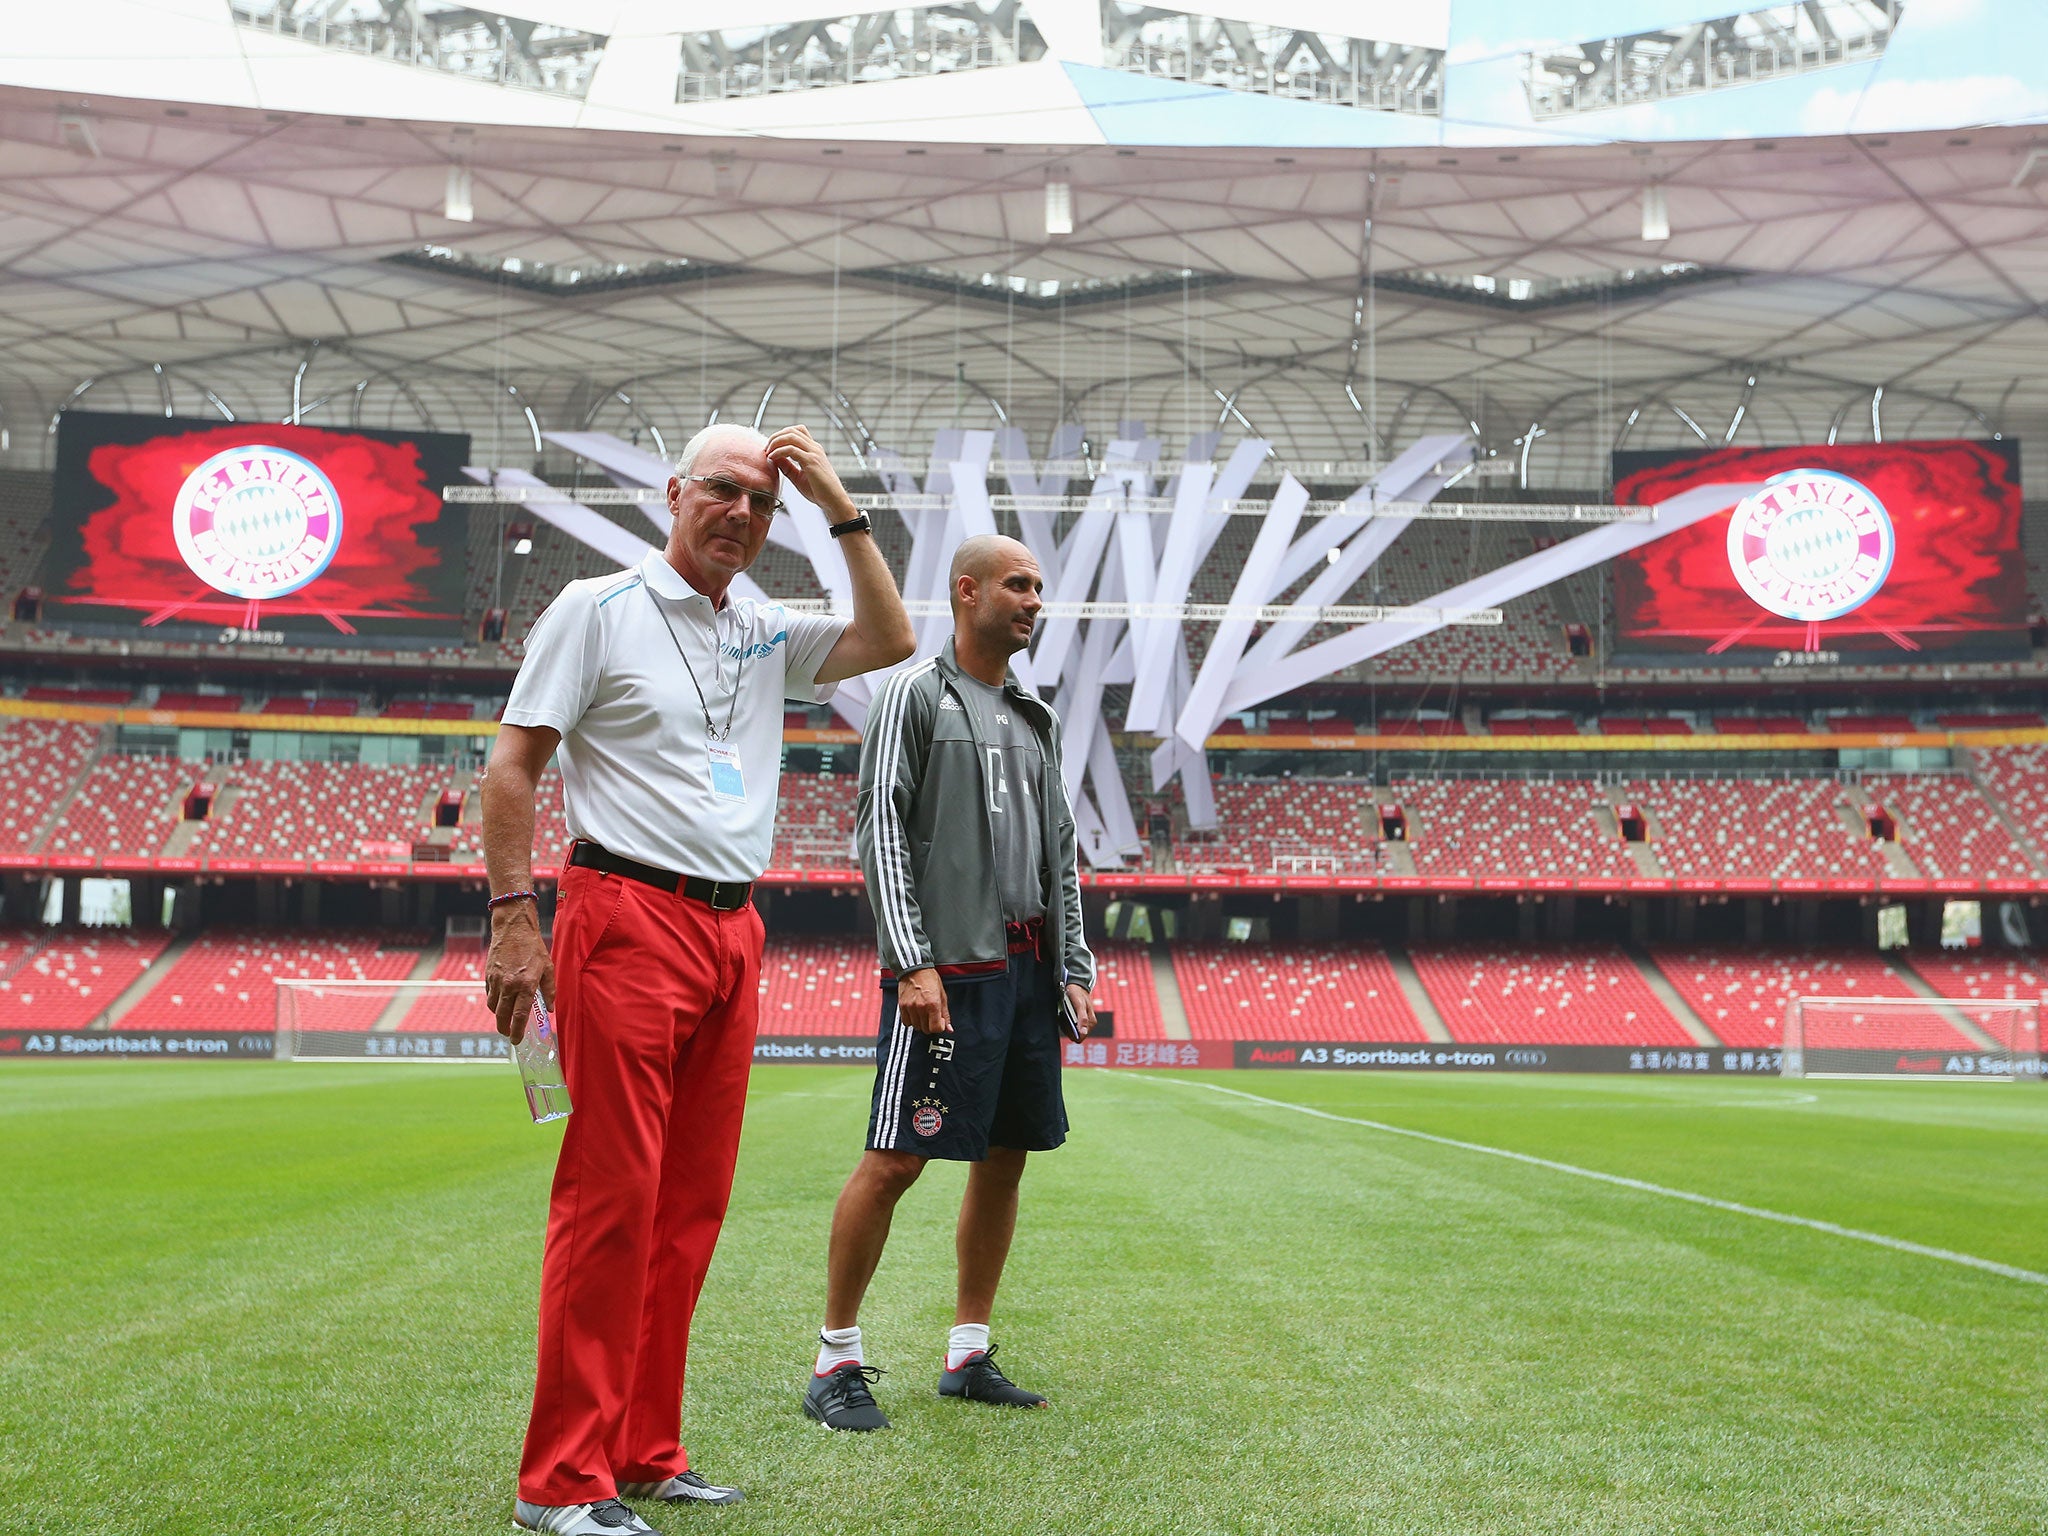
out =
column 858, row 524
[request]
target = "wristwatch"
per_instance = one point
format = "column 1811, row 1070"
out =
column 860, row 523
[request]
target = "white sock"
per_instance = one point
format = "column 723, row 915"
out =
column 836, row 1346
column 965, row 1339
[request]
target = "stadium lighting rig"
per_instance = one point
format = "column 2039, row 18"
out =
column 909, row 502
column 1214, row 613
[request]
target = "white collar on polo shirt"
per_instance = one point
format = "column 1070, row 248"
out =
column 664, row 580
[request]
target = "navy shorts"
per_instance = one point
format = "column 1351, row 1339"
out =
column 993, row 1082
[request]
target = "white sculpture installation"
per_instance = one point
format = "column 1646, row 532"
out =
column 1140, row 563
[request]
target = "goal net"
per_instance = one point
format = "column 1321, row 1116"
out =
column 385, row 1021
column 1951, row 1037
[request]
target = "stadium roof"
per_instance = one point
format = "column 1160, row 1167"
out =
column 209, row 259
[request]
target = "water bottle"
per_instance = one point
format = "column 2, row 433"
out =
column 539, row 1053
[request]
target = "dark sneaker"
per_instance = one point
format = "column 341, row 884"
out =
column 683, row 1488
column 981, row 1380
column 840, row 1398
column 606, row 1518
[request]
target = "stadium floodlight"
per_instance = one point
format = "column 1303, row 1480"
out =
column 1982, row 1039
column 323, row 1020
column 1059, row 208
column 1656, row 215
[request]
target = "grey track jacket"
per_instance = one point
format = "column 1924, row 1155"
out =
column 923, row 831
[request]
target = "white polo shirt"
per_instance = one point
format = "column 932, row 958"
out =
column 642, row 773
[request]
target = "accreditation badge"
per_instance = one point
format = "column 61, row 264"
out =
column 727, row 782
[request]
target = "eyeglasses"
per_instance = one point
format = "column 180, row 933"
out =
column 763, row 504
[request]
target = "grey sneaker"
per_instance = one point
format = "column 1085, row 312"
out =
column 980, row 1380
column 840, row 1398
column 683, row 1488
column 608, row 1517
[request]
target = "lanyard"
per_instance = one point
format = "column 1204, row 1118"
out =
column 737, row 672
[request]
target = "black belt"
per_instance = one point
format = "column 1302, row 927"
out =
column 718, row 895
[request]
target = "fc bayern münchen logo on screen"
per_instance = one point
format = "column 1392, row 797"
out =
column 1811, row 545
column 257, row 521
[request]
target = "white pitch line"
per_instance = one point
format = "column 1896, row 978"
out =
column 1897, row 1244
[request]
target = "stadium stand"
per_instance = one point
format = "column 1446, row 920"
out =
column 1775, row 828
column 1522, row 827
column 1533, row 725
column 1289, row 826
column 126, row 806
column 1742, row 996
column 66, row 978
column 1588, row 995
column 1292, row 992
column 814, row 822
column 1975, row 973
column 550, row 824
column 2017, row 721
column 302, row 704
column 452, row 1012
column 1947, row 826
column 227, row 979
column 40, row 761
column 2017, row 779
column 1123, row 984
column 290, row 810
column 550, row 817
column 1634, row 725
column 556, row 561
column 1761, row 725
column 24, row 526
column 42, row 694
column 1420, row 725
column 819, row 986
column 1432, row 556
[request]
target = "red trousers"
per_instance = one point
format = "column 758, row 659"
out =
column 655, row 997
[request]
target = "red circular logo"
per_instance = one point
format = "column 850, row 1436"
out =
column 926, row 1121
column 1811, row 545
column 257, row 521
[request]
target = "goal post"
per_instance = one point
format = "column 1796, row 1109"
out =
column 1987, row 1039
column 321, row 1020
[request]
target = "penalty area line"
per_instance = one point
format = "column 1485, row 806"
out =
column 1621, row 1181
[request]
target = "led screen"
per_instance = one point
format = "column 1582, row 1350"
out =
column 171, row 525
column 1863, row 552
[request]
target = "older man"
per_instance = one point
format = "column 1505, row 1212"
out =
column 665, row 695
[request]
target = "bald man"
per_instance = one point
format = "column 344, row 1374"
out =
column 967, row 843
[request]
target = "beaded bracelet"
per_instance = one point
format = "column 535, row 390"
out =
column 498, row 901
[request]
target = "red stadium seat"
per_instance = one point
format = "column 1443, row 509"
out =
column 1742, row 995
column 1586, row 995
column 1291, row 992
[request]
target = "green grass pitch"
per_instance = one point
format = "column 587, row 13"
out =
column 260, row 1298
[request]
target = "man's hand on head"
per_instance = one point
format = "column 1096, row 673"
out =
column 803, row 460
column 921, row 1002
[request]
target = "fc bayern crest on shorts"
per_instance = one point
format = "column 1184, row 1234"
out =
column 257, row 522
column 1811, row 545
